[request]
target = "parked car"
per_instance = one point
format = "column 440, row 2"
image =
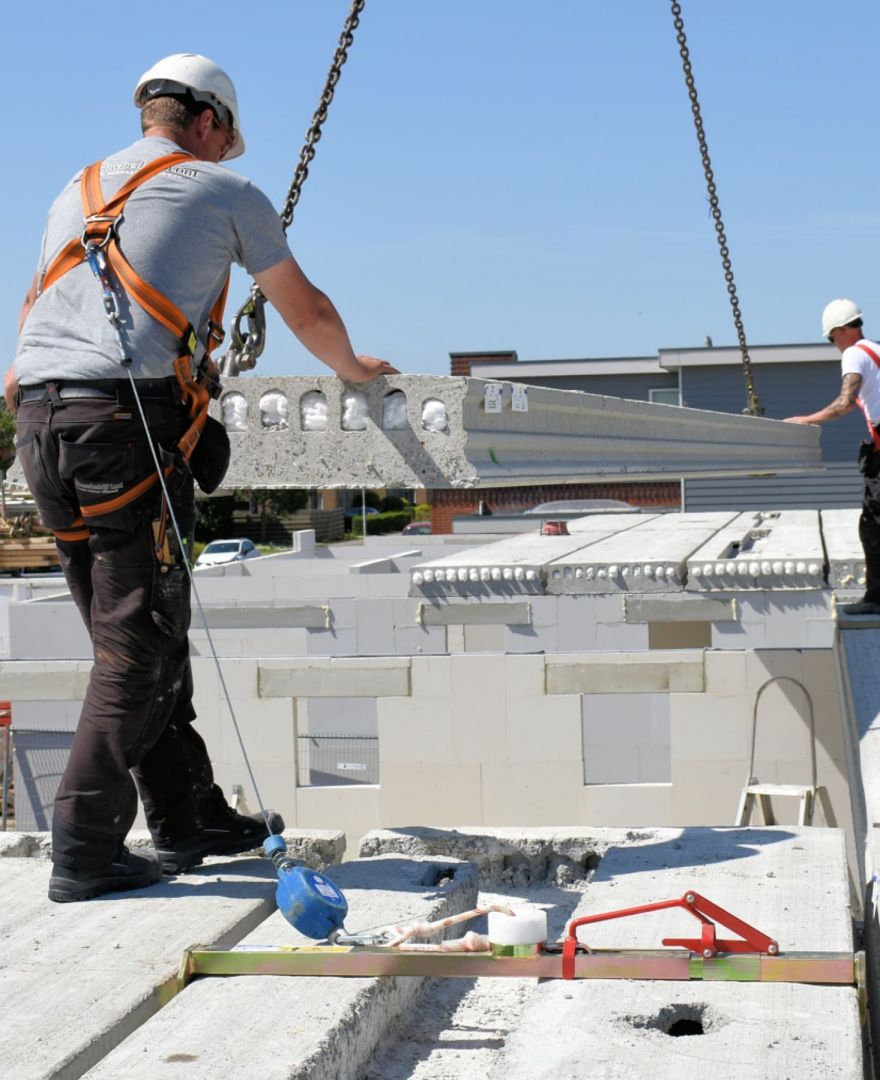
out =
column 357, row 513
column 417, row 528
column 227, row 551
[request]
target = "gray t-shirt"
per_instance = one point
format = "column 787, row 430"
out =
column 180, row 231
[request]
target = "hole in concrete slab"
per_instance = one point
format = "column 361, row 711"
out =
column 313, row 411
column 394, row 411
column 354, row 411
column 678, row 1020
column 434, row 415
column 438, row 876
column 274, row 411
column 234, row 408
column 686, row 1027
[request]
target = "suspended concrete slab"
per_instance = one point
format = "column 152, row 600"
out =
column 762, row 550
column 453, row 432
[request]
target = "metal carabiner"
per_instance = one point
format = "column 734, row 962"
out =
column 245, row 347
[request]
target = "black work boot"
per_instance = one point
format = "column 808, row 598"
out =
column 224, row 833
column 125, row 872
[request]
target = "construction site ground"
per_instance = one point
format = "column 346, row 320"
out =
column 90, row 989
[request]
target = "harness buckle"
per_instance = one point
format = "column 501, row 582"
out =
column 99, row 229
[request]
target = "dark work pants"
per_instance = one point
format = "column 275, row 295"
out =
column 136, row 721
column 869, row 521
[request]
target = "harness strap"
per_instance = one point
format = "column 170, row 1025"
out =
column 875, row 435
column 101, row 217
column 76, row 533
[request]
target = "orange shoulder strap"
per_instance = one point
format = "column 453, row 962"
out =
column 868, row 420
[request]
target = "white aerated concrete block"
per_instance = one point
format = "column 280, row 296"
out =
column 448, row 792
column 420, row 734
column 551, row 790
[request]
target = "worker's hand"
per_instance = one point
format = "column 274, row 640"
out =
column 371, row 367
column 10, row 390
column 796, row 420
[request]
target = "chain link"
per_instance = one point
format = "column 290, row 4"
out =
column 754, row 405
column 244, row 348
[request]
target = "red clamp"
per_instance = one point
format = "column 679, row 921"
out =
column 749, row 941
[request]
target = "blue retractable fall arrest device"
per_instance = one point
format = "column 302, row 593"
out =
column 310, row 902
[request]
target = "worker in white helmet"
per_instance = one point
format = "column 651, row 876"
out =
column 168, row 221
column 860, row 363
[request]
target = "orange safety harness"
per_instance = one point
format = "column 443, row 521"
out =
column 101, row 218
column 875, row 435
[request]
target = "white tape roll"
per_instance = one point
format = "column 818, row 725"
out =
column 527, row 927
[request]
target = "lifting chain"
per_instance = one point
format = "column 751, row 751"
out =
column 754, row 405
column 245, row 347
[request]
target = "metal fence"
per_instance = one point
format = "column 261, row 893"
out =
column 330, row 760
column 39, row 759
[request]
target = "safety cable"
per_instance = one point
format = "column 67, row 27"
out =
column 754, row 405
column 97, row 261
column 245, row 347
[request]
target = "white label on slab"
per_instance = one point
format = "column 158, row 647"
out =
column 351, row 766
column 492, row 395
column 520, row 401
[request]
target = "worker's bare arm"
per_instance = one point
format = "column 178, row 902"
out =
column 10, row 390
column 311, row 315
column 844, row 403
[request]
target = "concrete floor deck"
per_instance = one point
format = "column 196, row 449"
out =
column 87, row 988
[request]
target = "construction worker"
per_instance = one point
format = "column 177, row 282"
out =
column 860, row 363
column 83, row 448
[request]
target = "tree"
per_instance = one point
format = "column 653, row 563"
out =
column 271, row 502
column 7, row 437
column 214, row 517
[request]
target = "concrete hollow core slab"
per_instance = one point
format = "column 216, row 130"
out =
column 99, row 973
column 448, row 432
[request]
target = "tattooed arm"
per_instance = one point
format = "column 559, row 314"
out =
column 844, row 403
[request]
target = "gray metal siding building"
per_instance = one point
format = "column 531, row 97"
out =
column 790, row 380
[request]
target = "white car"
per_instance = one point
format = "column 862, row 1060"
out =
column 227, row 551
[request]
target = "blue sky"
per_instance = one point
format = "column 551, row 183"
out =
column 502, row 175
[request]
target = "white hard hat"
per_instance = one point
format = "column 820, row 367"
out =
column 839, row 313
column 200, row 76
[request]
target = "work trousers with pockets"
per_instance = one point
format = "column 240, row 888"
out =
column 869, row 521
column 135, row 731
